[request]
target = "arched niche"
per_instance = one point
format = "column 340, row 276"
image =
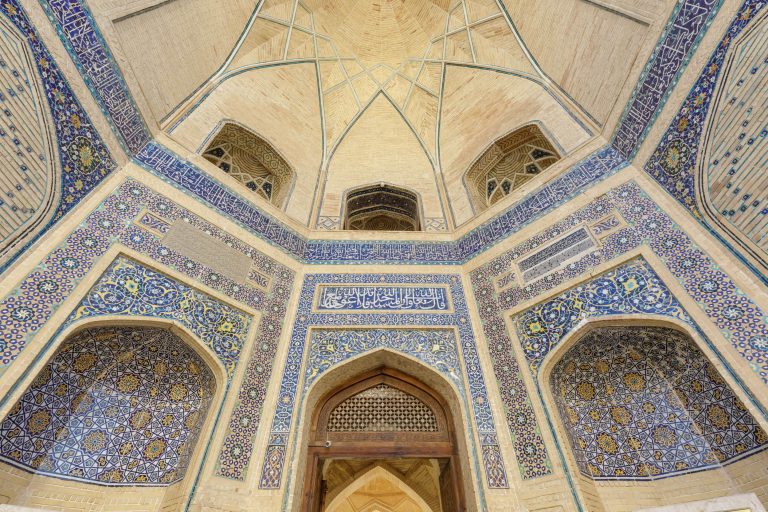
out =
column 31, row 184
column 118, row 412
column 510, row 162
column 731, row 179
column 642, row 409
column 382, row 207
column 252, row 161
column 365, row 372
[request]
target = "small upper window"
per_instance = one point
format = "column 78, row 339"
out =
column 509, row 163
column 252, row 161
column 382, row 208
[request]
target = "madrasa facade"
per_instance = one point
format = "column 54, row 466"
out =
column 384, row 255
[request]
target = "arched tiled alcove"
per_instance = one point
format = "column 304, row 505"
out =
column 252, row 161
column 382, row 207
column 115, row 406
column 509, row 163
column 644, row 411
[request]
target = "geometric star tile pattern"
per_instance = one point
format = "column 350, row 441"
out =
column 114, row 406
column 644, row 402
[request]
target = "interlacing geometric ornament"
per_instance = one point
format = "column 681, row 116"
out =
column 510, row 162
column 498, row 288
column 382, row 408
column 326, row 339
column 632, row 288
column 128, row 288
column 84, row 159
column 115, row 406
column 640, row 403
column 251, row 161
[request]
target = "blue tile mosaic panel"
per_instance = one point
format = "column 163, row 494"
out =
column 78, row 31
column 395, row 332
column 120, row 406
column 642, row 403
column 686, row 27
column 382, row 298
column 84, row 159
column 676, row 161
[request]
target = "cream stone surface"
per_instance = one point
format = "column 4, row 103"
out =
column 380, row 143
column 470, row 122
column 289, row 121
column 172, row 47
column 565, row 38
column 738, row 502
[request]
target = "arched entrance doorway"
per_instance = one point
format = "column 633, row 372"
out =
column 383, row 419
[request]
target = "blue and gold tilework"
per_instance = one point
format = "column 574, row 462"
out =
column 81, row 36
column 685, row 28
column 115, row 406
column 642, row 403
column 120, row 220
column 498, row 288
column 631, row 289
column 130, row 289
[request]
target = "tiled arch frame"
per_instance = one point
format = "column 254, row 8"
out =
column 556, row 422
column 175, row 315
column 540, row 363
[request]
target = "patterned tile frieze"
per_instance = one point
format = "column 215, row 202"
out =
column 642, row 403
column 115, row 406
column 84, row 159
column 428, row 343
column 189, row 178
column 685, row 28
column 739, row 319
column 81, row 36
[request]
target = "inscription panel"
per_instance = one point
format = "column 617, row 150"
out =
column 382, row 298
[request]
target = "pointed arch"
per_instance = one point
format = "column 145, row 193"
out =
column 375, row 473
